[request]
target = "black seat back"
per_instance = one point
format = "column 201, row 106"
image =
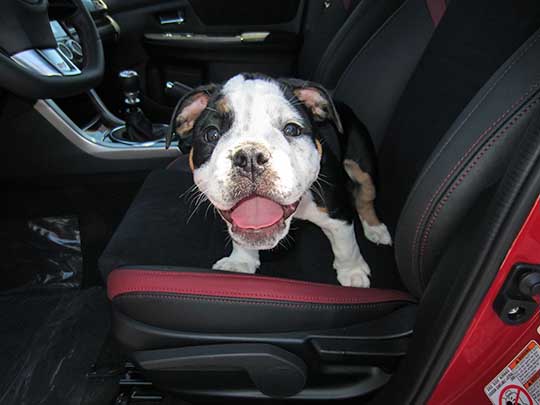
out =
column 462, row 108
column 338, row 32
column 374, row 80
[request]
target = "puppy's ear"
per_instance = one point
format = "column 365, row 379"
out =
column 317, row 99
column 186, row 112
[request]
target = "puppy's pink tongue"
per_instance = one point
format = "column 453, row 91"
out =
column 256, row 213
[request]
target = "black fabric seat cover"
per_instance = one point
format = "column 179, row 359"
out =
column 178, row 243
column 161, row 229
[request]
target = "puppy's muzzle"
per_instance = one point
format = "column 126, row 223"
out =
column 251, row 161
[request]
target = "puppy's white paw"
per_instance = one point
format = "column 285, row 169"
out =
column 377, row 233
column 231, row 264
column 357, row 276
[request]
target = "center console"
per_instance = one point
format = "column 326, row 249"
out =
column 94, row 137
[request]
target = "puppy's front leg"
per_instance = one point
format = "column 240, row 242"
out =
column 241, row 260
column 352, row 270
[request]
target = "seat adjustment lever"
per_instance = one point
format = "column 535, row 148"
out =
column 274, row 371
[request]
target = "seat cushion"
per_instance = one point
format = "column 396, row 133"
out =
column 205, row 301
column 162, row 229
column 158, row 271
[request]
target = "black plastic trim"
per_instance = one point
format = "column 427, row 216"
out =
column 274, row 371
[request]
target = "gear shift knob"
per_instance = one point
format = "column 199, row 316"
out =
column 131, row 86
column 138, row 127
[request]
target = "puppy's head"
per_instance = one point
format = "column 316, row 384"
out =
column 254, row 150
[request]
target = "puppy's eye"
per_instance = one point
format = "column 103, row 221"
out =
column 211, row 134
column 292, row 129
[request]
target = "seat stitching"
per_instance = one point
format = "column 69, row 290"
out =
column 258, row 295
column 463, row 157
column 219, row 275
column 156, row 275
column 464, row 174
column 518, row 57
column 246, row 301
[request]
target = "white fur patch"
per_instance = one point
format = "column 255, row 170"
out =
column 377, row 233
column 352, row 270
column 260, row 112
column 241, row 260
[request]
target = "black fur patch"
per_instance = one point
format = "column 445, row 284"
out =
column 211, row 116
column 355, row 145
column 330, row 191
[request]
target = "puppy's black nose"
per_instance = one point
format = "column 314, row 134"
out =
column 251, row 161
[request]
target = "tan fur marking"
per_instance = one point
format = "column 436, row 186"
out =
column 184, row 128
column 314, row 101
column 193, row 108
column 223, row 106
column 323, row 209
column 364, row 192
column 365, row 209
column 319, row 147
column 191, row 165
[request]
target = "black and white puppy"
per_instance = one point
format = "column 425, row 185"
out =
column 255, row 149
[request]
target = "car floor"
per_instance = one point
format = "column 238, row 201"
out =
column 54, row 314
column 49, row 341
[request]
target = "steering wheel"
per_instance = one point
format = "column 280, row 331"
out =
column 30, row 64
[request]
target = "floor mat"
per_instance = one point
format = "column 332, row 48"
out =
column 49, row 340
column 41, row 251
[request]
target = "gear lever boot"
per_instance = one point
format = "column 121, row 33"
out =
column 138, row 127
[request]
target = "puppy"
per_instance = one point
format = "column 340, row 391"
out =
column 256, row 150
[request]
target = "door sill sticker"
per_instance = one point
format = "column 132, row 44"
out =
column 519, row 382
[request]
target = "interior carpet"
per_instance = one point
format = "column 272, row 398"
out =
column 49, row 340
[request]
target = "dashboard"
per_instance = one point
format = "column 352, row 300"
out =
column 67, row 38
column 68, row 45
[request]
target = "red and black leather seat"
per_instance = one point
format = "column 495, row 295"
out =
column 202, row 301
column 445, row 106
